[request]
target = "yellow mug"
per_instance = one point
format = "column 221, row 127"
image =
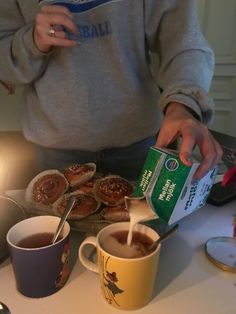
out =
column 126, row 282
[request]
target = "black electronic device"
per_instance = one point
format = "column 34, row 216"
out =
column 220, row 195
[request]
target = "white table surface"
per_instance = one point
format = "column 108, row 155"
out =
column 187, row 282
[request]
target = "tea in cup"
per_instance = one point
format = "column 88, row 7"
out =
column 40, row 267
column 127, row 273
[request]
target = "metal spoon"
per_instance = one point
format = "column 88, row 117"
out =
column 162, row 238
column 69, row 206
column 4, row 309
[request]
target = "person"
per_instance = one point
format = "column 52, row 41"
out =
column 105, row 80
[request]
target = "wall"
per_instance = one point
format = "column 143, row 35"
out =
column 217, row 19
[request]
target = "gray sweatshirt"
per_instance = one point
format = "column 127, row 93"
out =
column 104, row 92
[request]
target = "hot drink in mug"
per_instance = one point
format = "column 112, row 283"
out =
column 127, row 273
column 40, row 267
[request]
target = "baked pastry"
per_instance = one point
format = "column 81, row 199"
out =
column 85, row 205
column 77, row 174
column 115, row 213
column 87, row 187
column 46, row 188
column 112, row 189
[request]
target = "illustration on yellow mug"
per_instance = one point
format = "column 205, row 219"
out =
column 126, row 283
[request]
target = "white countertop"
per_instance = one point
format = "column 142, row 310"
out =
column 187, row 282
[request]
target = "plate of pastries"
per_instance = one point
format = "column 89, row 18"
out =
column 99, row 197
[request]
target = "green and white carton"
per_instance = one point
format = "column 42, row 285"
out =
column 168, row 186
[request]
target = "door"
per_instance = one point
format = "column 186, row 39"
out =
column 218, row 21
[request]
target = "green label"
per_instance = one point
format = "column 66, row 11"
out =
column 151, row 163
column 167, row 188
column 162, row 180
column 147, row 172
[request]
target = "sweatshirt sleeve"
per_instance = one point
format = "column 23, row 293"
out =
column 186, row 62
column 21, row 62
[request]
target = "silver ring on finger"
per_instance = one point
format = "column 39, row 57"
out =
column 51, row 32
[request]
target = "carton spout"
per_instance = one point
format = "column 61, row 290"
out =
column 139, row 208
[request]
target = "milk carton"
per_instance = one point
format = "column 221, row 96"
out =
column 167, row 185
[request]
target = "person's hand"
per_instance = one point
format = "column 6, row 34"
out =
column 180, row 122
column 46, row 18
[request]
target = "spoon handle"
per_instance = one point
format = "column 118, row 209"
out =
column 70, row 204
column 164, row 237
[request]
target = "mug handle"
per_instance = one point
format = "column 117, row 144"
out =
column 83, row 259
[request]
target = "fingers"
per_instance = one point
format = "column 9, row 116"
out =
column 211, row 153
column 56, row 9
column 58, row 17
column 193, row 134
column 186, row 147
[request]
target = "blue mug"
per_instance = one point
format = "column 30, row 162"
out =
column 40, row 267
